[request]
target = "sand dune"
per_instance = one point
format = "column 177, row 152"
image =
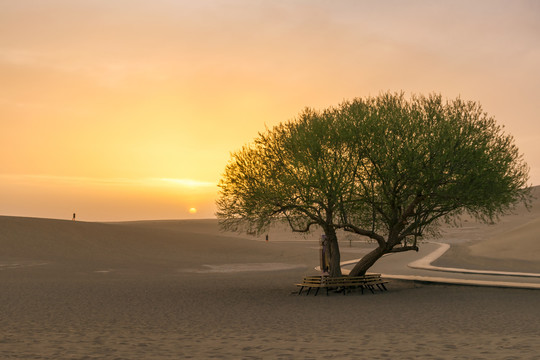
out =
column 517, row 243
column 514, row 241
column 139, row 247
column 511, row 244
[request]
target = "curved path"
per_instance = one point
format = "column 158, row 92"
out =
column 417, row 266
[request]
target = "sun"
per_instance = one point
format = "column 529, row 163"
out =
column 193, row 210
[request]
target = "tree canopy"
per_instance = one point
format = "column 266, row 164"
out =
column 384, row 167
column 301, row 171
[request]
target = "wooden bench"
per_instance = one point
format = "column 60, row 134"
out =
column 343, row 283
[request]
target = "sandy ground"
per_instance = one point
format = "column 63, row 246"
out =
column 511, row 244
column 182, row 289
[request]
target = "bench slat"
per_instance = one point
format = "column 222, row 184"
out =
column 368, row 281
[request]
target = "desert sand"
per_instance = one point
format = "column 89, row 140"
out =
column 183, row 289
column 511, row 244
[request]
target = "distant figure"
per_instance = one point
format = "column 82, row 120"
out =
column 266, row 237
column 73, row 217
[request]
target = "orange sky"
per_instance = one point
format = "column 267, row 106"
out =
column 120, row 110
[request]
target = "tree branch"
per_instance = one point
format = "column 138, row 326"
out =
column 354, row 229
column 409, row 211
column 301, row 230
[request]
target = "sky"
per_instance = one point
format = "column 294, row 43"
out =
column 130, row 109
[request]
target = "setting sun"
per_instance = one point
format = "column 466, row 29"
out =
column 193, row 210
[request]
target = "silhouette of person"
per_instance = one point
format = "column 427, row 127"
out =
column 73, row 217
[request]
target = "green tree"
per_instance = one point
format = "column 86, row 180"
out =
column 423, row 162
column 386, row 167
column 300, row 172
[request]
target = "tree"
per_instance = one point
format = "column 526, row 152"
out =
column 301, row 172
column 386, row 167
column 425, row 161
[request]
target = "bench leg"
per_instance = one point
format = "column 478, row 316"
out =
column 300, row 291
column 308, row 290
column 317, row 291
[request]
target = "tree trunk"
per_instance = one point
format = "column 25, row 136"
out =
column 335, row 257
column 366, row 262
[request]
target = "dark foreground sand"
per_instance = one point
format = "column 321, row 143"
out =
column 176, row 290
